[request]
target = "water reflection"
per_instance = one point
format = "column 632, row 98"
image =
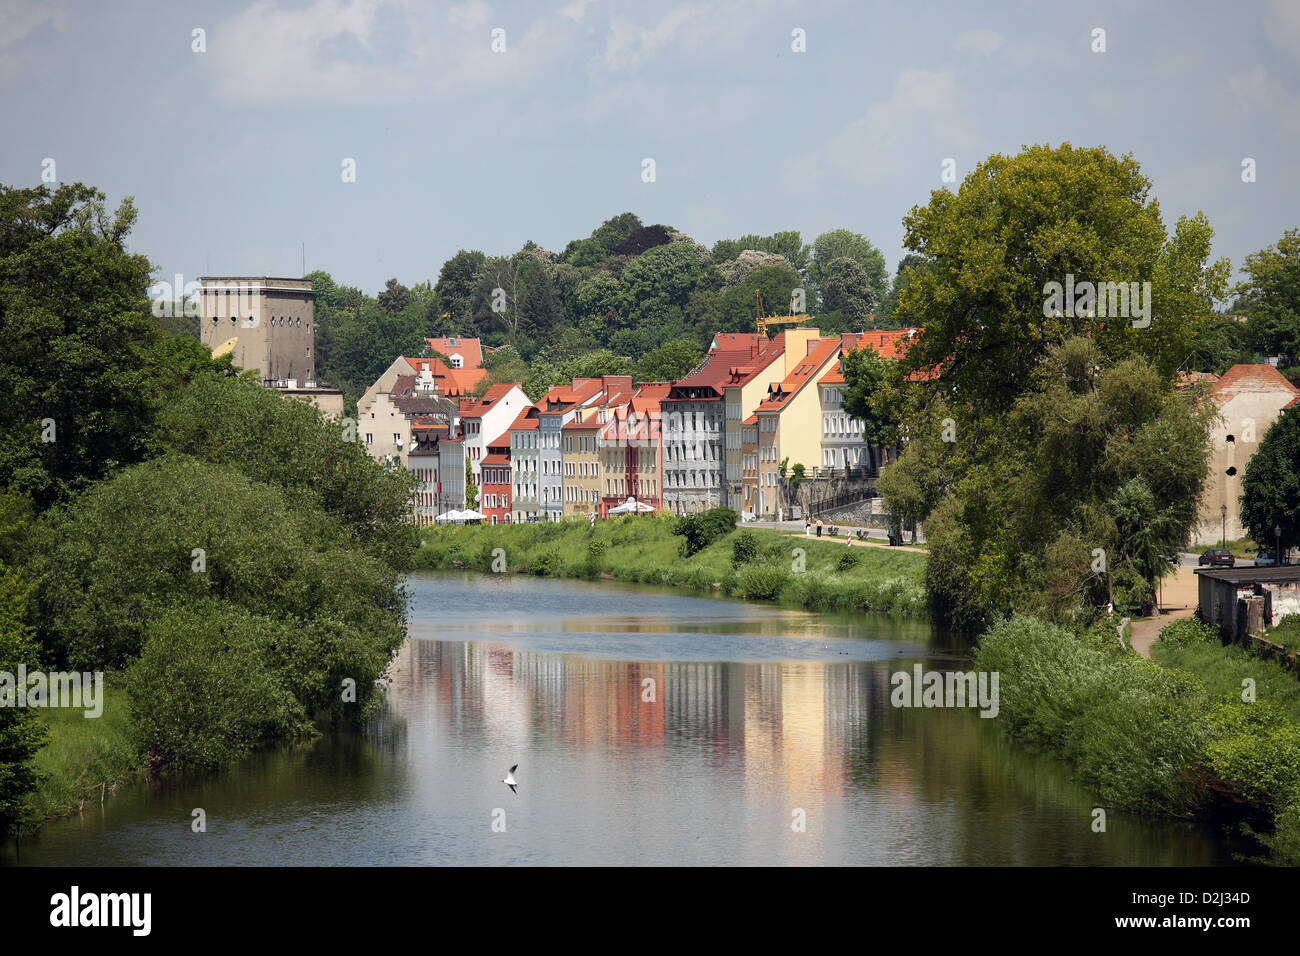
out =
column 650, row 728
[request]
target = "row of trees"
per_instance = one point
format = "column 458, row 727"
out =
column 629, row 299
column 165, row 519
column 1052, row 456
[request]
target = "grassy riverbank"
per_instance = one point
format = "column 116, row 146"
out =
column 1170, row 737
column 829, row 576
column 85, row 759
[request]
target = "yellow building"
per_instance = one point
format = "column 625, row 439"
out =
column 581, row 458
column 789, row 423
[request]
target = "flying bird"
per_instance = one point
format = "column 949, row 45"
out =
column 510, row 780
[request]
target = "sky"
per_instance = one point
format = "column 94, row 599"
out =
column 238, row 155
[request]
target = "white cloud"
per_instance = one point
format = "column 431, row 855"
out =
column 469, row 15
column 983, row 41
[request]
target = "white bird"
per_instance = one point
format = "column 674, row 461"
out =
column 510, row 780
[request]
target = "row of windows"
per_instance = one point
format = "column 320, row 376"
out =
column 280, row 320
column 496, row 476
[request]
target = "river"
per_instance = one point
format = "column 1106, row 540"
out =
column 649, row 728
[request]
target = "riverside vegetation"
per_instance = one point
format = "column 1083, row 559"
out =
column 166, row 520
column 1173, row 738
column 703, row 553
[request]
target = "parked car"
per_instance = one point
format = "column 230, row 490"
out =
column 1219, row 557
column 1265, row 559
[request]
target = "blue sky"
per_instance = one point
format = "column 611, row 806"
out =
column 234, row 155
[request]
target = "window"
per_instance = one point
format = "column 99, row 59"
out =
column 370, row 439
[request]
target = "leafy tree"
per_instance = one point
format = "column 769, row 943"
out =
column 885, row 313
column 457, row 281
column 123, row 554
column 290, row 444
column 701, row 530
column 736, row 308
column 846, row 288
column 1218, row 342
column 1019, row 223
column 1270, row 487
column 1271, row 297
column 394, row 298
column 671, row 361
column 786, row 244
column 844, row 244
column 21, row 731
column 77, row 343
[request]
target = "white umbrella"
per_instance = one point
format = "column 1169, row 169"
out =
column 451, row 516
column 472, row 515
column 631, row 506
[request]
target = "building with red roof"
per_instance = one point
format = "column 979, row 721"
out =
column 1250, row 399
column 485, row 420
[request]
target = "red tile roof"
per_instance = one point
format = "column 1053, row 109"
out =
column 471, row 350
column 527, row 419
column 493, row 395
column 779, row 394
column 1253, row 378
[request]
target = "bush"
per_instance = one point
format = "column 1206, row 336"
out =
column 1187, row 631
column 761, row 582
column 744, row 549
column 702, row 529
column 1131, row 728
column 547, row 564
column 204, row 692
column 596, row 548
column 848, row 560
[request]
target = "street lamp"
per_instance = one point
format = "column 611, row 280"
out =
column 1224, row 510
column 1277, row 548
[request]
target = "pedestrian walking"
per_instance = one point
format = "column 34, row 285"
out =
column 819, row 527
column 807, row 528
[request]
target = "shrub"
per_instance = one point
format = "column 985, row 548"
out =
column 204, row 691
column 702, row 529
column 547, row 564
column 596, row 548
column 761, row 582
column 744, row 549
column 1187, row 631
column 848, row 560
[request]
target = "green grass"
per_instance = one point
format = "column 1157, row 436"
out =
column 84, row 757
column 642, row 549
column 1222, row 669
column 1286, row 632
column 1240, row 548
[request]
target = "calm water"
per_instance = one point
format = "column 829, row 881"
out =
column 759, row 714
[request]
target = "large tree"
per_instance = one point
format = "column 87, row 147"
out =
column 846, row 289
column 78, row 362
column 1270, row 487
column 1021, row 223
column 846, row 244
column 1271, row 297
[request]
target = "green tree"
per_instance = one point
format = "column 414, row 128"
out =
column 671, row 361
column 845, row 244
column 77, row 344
column 1270, row 487
column 457, row 282
column 21, row 731
column 1271, row 297
column 1019, row 223
column 845, row 288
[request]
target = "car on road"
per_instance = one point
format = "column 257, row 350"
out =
column 1218, row 557
column 1265, row 559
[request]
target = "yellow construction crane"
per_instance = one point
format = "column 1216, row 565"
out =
column 763, row 320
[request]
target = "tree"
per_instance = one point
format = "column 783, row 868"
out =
column 671, row 361
column 885, row 312
column 78, row 347
column 456, row 285
column 1271, row 297
column 846, row 288
column 394, row 298
column 844, row 244
column 1270, row 487
column 1018, row 224
column 21, row 731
